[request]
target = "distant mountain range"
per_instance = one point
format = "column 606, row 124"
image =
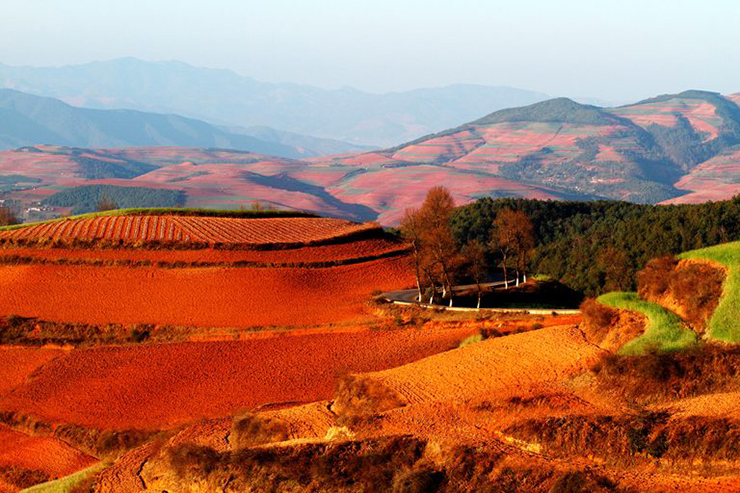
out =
column 670, row 149
column 29, row 120
column 226, row 98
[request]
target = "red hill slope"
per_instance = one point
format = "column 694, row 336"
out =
column 652, row 151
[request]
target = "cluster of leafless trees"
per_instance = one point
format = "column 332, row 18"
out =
column 8, row 217
column 438, row 258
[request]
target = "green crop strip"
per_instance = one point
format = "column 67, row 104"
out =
column 664, row 332
column 725, row 322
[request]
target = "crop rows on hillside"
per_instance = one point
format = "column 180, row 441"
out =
column 191, row 229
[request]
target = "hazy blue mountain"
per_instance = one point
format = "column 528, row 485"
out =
column 28, row 120
column 226, row 98
column 310, row 145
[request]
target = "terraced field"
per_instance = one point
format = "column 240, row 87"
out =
column 162, row 386
column 701, row 115
column 183, row 229
column 200, row 297
column 715, row 179
column 267, row 272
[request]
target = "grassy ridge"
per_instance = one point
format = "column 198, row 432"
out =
column 173, row 211
column 664, row 332
column 65, row 484
column 725, row 322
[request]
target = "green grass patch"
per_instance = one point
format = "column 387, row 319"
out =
column 173, row 211
column 65, row 484
column 543, row 278
column 471, row 340
column 724, row 325
column 664, row 332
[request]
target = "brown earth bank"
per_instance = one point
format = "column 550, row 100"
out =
column 608, row 327
column 690, row 288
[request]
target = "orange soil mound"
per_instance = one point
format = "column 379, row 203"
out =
column 326, row 253
column 721, row 405
column 158, row 386
column 495, row 367
column 16, row 364
column 203, row 297
column 192, row 229
column 49, row 455
column 310, row 420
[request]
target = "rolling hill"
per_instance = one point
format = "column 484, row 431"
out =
column 27, row 120
column 673, row 148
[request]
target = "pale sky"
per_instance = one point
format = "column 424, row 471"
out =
column 617, row 50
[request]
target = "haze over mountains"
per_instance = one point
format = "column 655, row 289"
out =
column 27, row 120
column 223, row 97
column 672, row 148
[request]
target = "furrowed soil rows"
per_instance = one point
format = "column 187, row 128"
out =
column 162, row 386
column 49, row 455
column 202, row 297
column 196, row 229
column 327, row 253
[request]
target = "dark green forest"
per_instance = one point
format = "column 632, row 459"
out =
column 86, row 198
column 596, row 247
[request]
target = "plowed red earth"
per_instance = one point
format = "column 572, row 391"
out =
column 49, row 455
column 326, row 253
column 192, row 229
column 16, row 364
column 501, row 366
column 203, row 297
column 161, row 386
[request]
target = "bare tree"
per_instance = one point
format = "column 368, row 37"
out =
column 106, row 204
column 475, row 260
column 502, row 239
column 513, row 235
column 411, row 229
column 8, row 217
column 436, row 213
column 524, row 242
column 616, row 267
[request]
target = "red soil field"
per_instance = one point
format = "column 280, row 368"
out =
column 700, row 114
column 715, row 179
column 326, row 253
column 49, row 455
column 195, row 229
column 162, row 386
column 17, row 363
column 201, row 297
